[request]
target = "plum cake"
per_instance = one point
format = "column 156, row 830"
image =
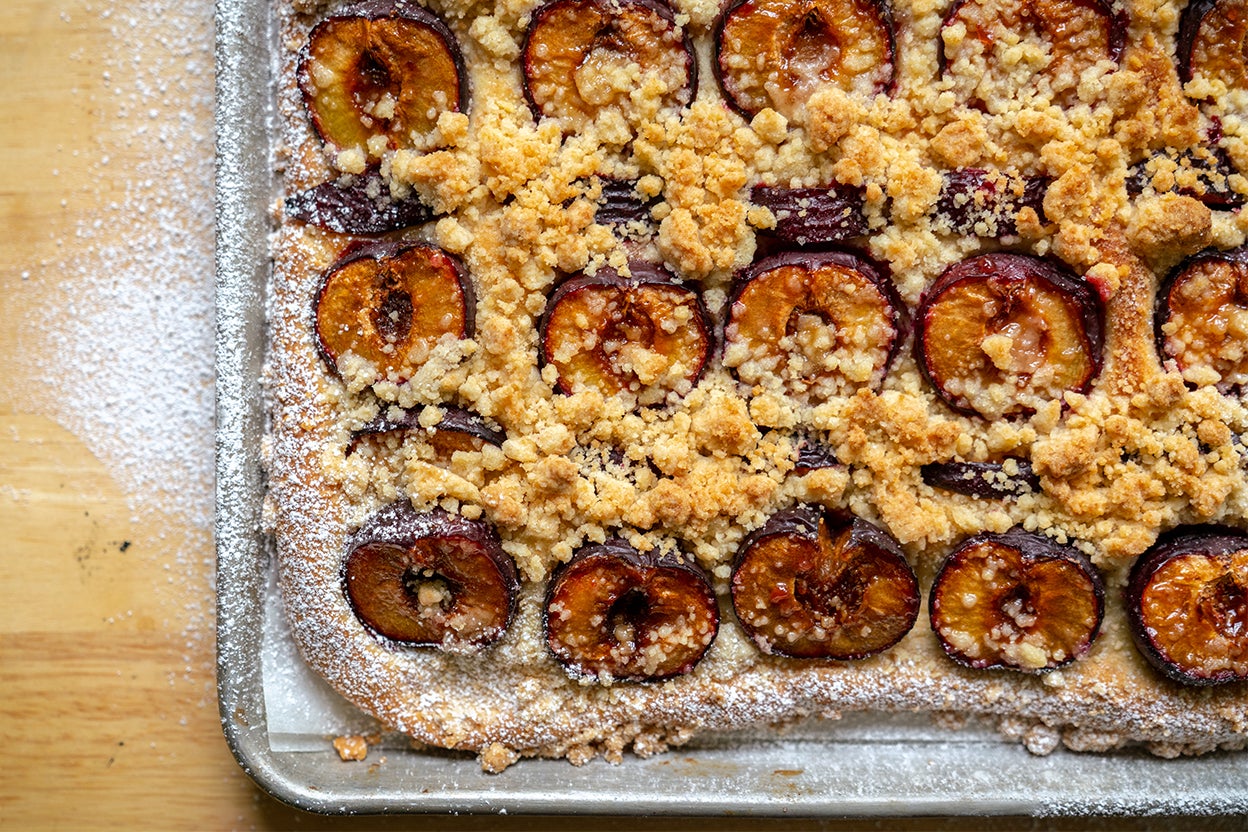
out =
column 641, row 368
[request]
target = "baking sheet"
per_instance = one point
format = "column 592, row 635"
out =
column 278, row 717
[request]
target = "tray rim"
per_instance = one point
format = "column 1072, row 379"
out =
column 245, row 43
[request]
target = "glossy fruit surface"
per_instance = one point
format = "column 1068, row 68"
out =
column 810, row 585
column 987, row 480
column 378, row 74
column 390, row 304
column 357, row 204
column 1213, row 42
column 1016, row 600
column 457, row 430
column 582, row 57
column 812, row 215
column 1187, row 603
column 1000, row 334
column 824, row 323
column 431, row 579
column 645, row 336
column 986, row 203
column 1202, row 318
column 618, row 614
column 777, row 53
column 1199, row 172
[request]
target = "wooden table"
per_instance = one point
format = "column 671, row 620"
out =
column 107, row 685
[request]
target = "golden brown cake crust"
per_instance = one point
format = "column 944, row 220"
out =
column 1140, row 453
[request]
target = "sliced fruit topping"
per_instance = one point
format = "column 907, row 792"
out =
column 618, row 614
column 621, row 204
column 431, row 578
column 826, row 323
column 357, row 204
column 777, row 53
column 1016, row 600
column 390, row 304
column 812, row 215
column 990, row 45
column 1202, row 318
column 377, row 75
column 813, row 455
column 1187, row 602
column 1000, row 334
column 814, row 586
column 457, row 430
column 988, row 480
column 986, row 203
column 1199, row 172
column 583, row 57
column 644, row 336
column 1213, row 42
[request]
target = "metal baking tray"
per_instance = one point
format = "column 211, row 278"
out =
column 863, row 765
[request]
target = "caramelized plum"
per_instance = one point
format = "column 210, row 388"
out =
column 1187, row 603
column 1202, row 318
column 357, row 204
column 621, row 204
column 986, row 204
column 813, row 455
column 390, row 304
column 645, row 336
column 809, row 585
column 980, row 41
column 1200, row 172
column 1213, row 42
column 618, row 614
column 1016, row 600
column 825, row 323
column 988, row 480
column 999, row 334
column 812, row 215
column 777, row 53
column 457, row 430
column 433, row 578
column 376, row 75
column 582, row 57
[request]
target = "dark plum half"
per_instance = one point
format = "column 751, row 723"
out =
column 357, row 204
column 381, row 71
column 1201, row 322
column 390, row 303
column 1075, row 34
column 1187, row 603
column 1213, row 42
column 582, row 57
column 986, row 204
column 430, row 579
column 1000, row 334
column 825, row 323
column 1200, row 172
column 621, row 204
column 457, row 430
column 811, row 585
column 987, row 480
column 617, row 614
column 1016, row 600
column 645, row 335
column 812, row 215
column 813, row 455
column 777, row 53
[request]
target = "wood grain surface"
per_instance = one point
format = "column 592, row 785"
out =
column 107, row 686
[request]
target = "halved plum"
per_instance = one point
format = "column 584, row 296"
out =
column 1202, row 318
column 380, row 72
column 1016, row 600
column 621, row 204
column 777, row 53
column 1187, row 603
column 645, row 336
column 1070, row 37
column 1213, row 42
column 824, row 322
column 390, row 303
column 813, row 455
column 430, row 578
column 357, row 204
column 812, row 215
column 1199, row 172
column 999, row 334
column 811, row 585
column 617, row 614
column 581, row 57
column 457, row 430
column 987, row 480
column 986, row 203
